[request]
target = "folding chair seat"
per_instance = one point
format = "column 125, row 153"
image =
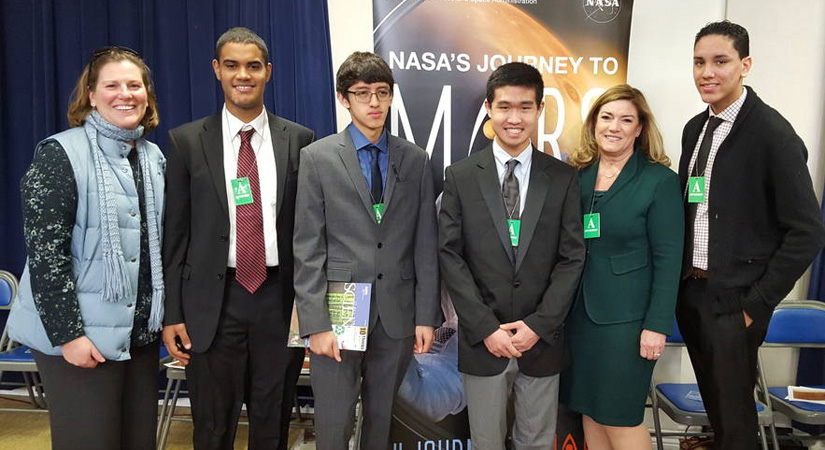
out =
column 797, row 324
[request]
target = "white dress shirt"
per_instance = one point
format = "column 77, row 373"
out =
column 264, row 154
column 522, row 171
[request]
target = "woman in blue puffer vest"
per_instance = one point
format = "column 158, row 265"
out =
column 91, row 295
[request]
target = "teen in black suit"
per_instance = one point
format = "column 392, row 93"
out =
column 511, row 299
column 752, row 237
column 232, row 336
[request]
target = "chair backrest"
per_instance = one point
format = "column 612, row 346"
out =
column 8, row 289
column 676, row 337
column 798, row 323
column 8, row 292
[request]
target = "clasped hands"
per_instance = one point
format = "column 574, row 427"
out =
column 511, row 340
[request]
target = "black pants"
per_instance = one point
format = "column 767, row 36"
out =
column 247, row 363
column 724, row 355
column 113, row 406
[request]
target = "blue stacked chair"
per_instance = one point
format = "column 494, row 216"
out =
column 15, row 357
column 682, row 402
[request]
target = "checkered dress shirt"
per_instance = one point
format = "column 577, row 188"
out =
column 700, row 225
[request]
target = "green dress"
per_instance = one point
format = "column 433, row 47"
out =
column 629, row 283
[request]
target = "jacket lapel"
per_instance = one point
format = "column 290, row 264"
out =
column 212, row 144
column 491, row 191
column 587, row 184
column 396, row 156
column 627, row 173
column 346, row 150
column 280, row 146
column 537, row 192
column 750, row 101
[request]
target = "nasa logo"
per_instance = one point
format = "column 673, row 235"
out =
column 601, row 11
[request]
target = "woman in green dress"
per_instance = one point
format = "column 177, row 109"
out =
column 634, row 224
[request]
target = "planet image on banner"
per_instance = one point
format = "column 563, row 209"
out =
column 456, row 45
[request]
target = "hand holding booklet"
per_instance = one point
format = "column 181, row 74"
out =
column 349, row 314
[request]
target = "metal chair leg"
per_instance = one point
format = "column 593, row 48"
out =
column 359, row 423
column 167, row 422
column 657, row 422
column 164, row 407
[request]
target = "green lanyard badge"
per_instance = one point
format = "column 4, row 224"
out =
column 241, row 191
column 696, row 190
column 592, row 226
column 514, row 229
column 378, row 209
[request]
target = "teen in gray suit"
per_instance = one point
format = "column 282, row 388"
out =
column 343, row 180
column 511, row 251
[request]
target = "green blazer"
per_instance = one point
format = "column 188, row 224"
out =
column 632, row 270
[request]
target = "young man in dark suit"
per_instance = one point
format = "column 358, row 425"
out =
column 365, row 213
column 227, row 254
column 511, row 252
column 753, row 227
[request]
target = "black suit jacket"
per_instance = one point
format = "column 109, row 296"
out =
column 487, row 286
column 196, row 233
column 764, row 220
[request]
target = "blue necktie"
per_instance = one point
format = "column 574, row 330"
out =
column 376, row 188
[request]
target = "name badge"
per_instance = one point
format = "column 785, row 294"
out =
column 241, row 191
column 592, row 226
column 696, row 190
column 378, row 209
column 514, row 229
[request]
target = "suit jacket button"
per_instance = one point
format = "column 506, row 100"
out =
column 220, row 276
column 380, row 276
column 380, row 245
column 517, row 284
column 224, row 238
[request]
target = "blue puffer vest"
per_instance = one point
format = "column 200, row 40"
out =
column 107, row 324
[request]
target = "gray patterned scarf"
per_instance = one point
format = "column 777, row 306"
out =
column 116, row 283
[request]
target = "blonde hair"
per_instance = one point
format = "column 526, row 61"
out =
column 81, row 106
column 649, row 141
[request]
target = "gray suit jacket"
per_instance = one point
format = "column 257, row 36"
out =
column 337, row 238
column 487, row 284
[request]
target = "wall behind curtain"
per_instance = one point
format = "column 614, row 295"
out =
column 46, row 43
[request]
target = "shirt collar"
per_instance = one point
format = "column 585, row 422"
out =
column 502, row 156
column 729, row 114
column 360, row 141
column 235, row 125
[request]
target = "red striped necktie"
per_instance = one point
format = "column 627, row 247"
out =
column 250, row 253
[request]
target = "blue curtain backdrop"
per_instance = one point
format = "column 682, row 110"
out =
column 46, row 43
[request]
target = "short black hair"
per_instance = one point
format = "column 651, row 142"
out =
column 363, row 66
column 735, row 32
column 241, row 35
column 515, row 74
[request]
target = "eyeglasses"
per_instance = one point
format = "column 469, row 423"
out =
column 383, row 95
column 113, row 49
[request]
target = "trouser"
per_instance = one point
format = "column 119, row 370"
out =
column 113, row 406
column 724, row 356
column 376, row 373
column 248, row 363
column 535, row 401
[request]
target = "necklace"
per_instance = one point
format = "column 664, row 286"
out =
column 611, row 176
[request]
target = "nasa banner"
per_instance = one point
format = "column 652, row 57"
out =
column 441, row 53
